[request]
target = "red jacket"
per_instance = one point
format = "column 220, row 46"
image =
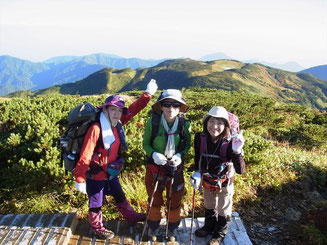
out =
column 91, row 139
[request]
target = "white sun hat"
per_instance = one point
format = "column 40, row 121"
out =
column 174, row 94
column 217, row 112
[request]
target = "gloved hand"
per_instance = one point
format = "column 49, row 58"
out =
column 238, row 143
column 176, row 160
column 195, row 180
column 81, row 187
column 152, row 87
column 159, row 158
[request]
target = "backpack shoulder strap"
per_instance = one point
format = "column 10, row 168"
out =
column 155, row 126
column 123, row 145
column 203, row 147
column 181, row 125
column 181, row 131
column 99, row 143
column 203, row 143
column 223, row 151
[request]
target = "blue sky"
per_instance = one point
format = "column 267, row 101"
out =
column 275, row 31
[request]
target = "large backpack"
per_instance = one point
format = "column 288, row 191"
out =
column 215, row 182
column 80, row 118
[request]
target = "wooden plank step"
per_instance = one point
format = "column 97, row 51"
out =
column 65, row 229
column 125, row 234
column 37, row 228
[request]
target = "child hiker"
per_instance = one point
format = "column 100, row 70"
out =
column 216, row 160
column 105, row 162
column 167, row 139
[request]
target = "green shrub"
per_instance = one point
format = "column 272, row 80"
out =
column 30, row 158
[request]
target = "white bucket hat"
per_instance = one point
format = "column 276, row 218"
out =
column 174, row 94
column 217, row 112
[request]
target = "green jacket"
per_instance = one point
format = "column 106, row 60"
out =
column 159, row 142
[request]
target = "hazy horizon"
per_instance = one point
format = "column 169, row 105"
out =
column 278, row 31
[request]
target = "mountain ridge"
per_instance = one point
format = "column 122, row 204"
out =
column 18, row 74
column 317, row 71
column 230, row 75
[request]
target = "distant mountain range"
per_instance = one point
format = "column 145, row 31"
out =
column 289, row 66
column 317, row 71
column 17, row 74
column 230, row 75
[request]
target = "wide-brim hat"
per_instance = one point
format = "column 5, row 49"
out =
column 217, row 112
column 174, row 94
column 114, row 100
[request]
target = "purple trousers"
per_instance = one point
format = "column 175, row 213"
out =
column 98, row 189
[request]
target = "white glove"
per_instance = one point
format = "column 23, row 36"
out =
column 238, row 143
column 81, row 187
column 176, row 160
column 195, row 180
column 159, row 158
column 152, row 87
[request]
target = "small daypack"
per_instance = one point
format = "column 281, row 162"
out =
column 234, row 124
column 80, row 118
column 215, row 182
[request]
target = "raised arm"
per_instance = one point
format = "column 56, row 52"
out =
column 141, row 102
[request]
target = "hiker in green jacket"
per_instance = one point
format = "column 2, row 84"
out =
column 166, row 140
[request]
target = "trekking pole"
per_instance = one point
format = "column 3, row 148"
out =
column 150, row 203
column 193, row 208
column 169, row 199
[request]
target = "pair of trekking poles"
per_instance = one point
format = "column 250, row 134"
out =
column 156, row 181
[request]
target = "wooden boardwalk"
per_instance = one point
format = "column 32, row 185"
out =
column 67, row 229
column 37, row 228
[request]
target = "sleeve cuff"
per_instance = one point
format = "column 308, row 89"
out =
column 146, row 94
column 239, row 153
column 80, row 179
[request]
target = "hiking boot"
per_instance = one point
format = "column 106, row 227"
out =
column 202, row 232
column 153, row 234
column 141, row 218
column 172, row 235
column 129, row 213
column 209, row 224
column 106, row 234
column 215, row 241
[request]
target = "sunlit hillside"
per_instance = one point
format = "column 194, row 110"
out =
column 229, row 75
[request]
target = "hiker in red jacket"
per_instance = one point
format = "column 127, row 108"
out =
column 97, row 170
column 217, row 157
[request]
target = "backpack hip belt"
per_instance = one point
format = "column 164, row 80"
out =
column 213, row 184
column 166, row 175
